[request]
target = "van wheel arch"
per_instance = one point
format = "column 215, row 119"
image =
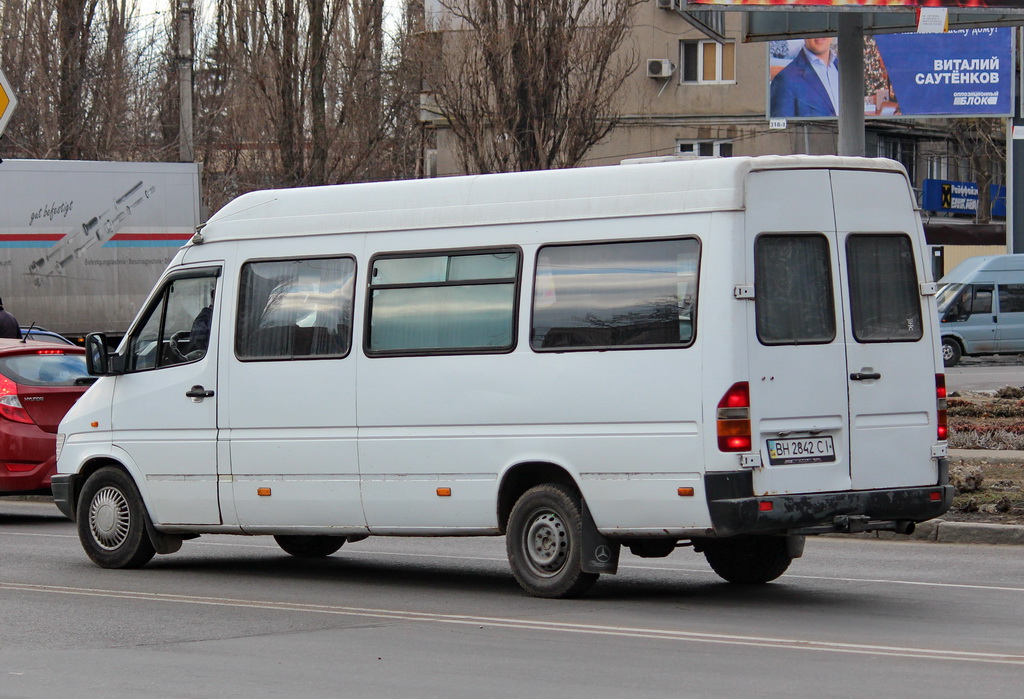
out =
column 84, row 473
column 520, row 478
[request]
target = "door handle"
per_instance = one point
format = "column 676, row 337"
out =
column 861, row 376
column 197, row 393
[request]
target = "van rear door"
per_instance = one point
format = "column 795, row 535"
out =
column 889, row 331
column 842, row 363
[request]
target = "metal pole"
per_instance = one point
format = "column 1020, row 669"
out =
column 851, row 83
column 185, row 138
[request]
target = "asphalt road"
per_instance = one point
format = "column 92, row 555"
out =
column 986, row 373
column 236, row 617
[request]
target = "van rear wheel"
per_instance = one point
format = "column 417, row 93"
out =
column 545, row 532
column 112, row 521
column 309, row 546
column 747, row 560
column 951, row 352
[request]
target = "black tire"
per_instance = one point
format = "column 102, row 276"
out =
column 951, row 352
column 112, row 521
column 309, row 546
column 747, row 560
column 543, row 539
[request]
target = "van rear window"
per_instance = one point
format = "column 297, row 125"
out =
column 793, row 290
column 616, row 295
column 885, row 299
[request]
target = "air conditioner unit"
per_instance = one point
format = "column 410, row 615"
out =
column 660, row 68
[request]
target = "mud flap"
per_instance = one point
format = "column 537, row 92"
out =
column 599, row 553
column 163, row 543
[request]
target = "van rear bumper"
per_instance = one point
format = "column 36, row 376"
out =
column 817, row 512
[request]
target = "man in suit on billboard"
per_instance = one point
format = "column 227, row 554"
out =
column 809, row 85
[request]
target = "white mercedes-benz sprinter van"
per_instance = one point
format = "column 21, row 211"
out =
column 725, row 353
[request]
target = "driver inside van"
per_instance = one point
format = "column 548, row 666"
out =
column 199, row 336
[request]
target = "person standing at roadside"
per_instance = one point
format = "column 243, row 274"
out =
column 8, row 324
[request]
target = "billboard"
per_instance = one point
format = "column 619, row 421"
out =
column 960, row 73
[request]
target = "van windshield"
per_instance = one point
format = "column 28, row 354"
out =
column 946, row 296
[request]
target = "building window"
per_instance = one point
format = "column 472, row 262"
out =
column 705, row 149
column 707, row 62
column 902, row 150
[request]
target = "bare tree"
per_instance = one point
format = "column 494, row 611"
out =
column 530, row 84
column 76, row 67
column 982, row 144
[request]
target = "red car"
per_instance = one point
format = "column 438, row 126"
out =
column 39, row 382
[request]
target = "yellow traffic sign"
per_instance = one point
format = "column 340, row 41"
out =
column 7, row 102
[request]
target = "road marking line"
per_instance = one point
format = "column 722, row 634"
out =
column 534, row 625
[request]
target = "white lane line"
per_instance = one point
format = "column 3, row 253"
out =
column 534, row 625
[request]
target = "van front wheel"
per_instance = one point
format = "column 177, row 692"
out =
column 545, row 531
column 747, row 560
column 951, row 352
column 112, row 521
column 309, row 546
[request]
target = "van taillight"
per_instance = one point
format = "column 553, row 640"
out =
column 734, row 418
column 10, row 404
column 940, row 399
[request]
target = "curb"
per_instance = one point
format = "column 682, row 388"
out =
column 991, row 456
column 943, row 532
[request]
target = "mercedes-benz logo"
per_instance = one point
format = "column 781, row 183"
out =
column 603, row 554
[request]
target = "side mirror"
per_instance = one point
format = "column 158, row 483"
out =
column 97, row 356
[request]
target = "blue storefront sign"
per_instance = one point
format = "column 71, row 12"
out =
column 960, row 197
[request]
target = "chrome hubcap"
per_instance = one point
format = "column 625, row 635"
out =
column 109, row 518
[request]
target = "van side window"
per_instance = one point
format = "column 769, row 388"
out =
column 885, row 299
column 793, row 290
column 1011, row 298
column 295, row 309
column 616, row 295
column 176, row 328
column 982, row 302
column 443, row 302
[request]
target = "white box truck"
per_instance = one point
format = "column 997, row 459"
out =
column 83, row 242
column 726, row 353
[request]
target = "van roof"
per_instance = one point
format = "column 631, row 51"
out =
column 685, row 185
column 983, row 263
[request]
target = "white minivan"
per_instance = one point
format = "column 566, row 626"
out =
column 728, row 354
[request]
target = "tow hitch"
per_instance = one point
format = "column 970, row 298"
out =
column 852, row 524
